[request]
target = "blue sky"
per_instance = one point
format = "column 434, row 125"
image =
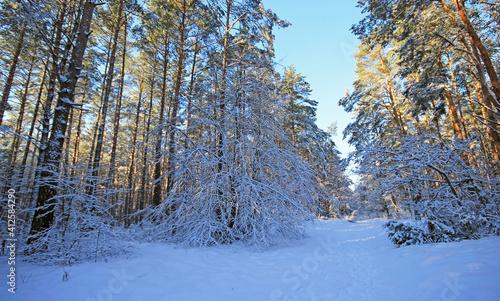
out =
column 320, row 46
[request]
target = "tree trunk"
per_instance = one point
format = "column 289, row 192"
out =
column 12, row 72
column 487, row 101
column 452, row 109
column 19, row 123
column 145, row 173
column 489, row 120
column 220, row 142
column 457, row 96
column 44, row 214
column 131, row 168
column 144, row 179
column 477, row 53
column 395, row 110
column 485, row 57
column 175, row 102
column 452, row 112
column 47, row 108
column 76, row 149
column 191, row 91
column 24, row 161
column 436, row 119
column 99, row 113
column 96, row 162
column 158, row 182
column 118, row 108
column 479, row 129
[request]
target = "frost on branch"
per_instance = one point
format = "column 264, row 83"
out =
column 452, row 194
column 83, row 229
column 251, row 188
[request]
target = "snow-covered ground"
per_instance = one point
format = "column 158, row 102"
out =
column 339, row 261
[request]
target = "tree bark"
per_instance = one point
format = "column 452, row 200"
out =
column 144, row 179
column 175, row 102
column 44, row 214
column 220, row 142
column 99, row 113
column 489, row 119
column 118, row 108
column 96, row 162
column 457, row 97
column 191, row 91
column 131, row 168
column 452, row 113
column 487, row 101
column 47, row 108
column 158, row 182
column 485, row 56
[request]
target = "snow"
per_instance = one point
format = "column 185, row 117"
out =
column 338, row 261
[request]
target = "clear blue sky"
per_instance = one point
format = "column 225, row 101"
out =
column 320, row 46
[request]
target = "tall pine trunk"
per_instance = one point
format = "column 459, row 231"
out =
column 132, row 166
column 221, row 136
column 12, row 71
column 175, row 102
column 118, row 108
column 24, row 161
column 191, row 91
column 19, row 125
column 144, row 175
column 51, row 91
column 158, row 174
column 44, row 214
column 483, row 52
column 96, row 162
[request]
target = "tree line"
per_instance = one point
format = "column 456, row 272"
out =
column 167, row 116
column 426, row 103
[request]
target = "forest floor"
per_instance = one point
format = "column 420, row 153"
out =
column 339, row 260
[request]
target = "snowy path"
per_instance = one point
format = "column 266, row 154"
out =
column 339, row 261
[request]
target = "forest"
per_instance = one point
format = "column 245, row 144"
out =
column 426, row 103
column 170, row 120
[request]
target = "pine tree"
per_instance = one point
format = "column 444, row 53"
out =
column 427, row 60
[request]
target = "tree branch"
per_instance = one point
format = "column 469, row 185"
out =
column 448, row 181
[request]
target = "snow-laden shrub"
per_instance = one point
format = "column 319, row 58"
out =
column 403, row 235
column 455, row 193
column 240, row 180
column 441, row 230
column 83, row 230
column 263, row 200
column 466, row 222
